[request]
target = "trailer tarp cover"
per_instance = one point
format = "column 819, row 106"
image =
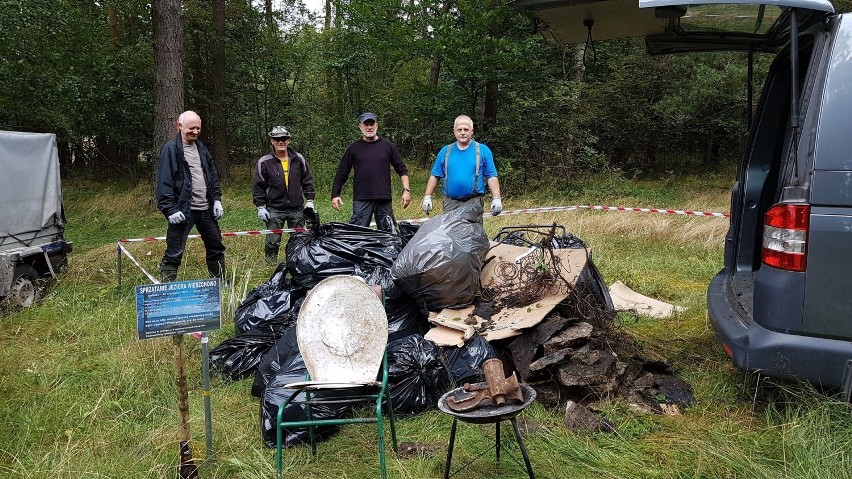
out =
column 30, row 189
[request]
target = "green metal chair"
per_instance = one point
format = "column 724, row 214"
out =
column 342, row 332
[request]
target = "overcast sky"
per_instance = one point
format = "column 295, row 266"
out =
column 315, row 5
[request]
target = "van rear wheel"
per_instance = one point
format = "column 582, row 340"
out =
column 24, row 291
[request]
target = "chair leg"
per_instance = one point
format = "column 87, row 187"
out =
column 381, row 433
column 279, row 434
column 278, row 453
column 311, row 427
column 392, row 422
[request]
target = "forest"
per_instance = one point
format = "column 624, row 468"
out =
column 589, row 124
column 88, row 71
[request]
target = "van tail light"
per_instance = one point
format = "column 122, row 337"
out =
column 785, row 236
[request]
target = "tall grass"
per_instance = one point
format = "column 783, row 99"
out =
column 80, row 396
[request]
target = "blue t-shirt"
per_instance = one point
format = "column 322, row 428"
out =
column 458, row 182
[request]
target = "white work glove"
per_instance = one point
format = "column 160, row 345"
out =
column 309, row 204
column 496, row 206
column 262, row 214
column 177, row 218
column 218, row 211
column 427, row 204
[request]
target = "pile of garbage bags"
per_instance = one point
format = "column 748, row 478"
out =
column 406, row 266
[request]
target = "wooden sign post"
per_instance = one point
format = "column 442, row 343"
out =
column 175, row 309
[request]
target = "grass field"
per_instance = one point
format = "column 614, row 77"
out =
column 80, row 396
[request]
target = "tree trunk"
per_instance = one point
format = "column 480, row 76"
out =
column 437, row 60
column 327, row 23
column 219, row 120
column 435, row 73
column 489, row 115
column 168, row 74
column 112, row 20
column 197, row 39
column 492, row 87
column 168, row 83
column 267, row 12
column 338, row 15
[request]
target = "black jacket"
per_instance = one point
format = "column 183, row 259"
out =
column 268, row 185
column 174, row 182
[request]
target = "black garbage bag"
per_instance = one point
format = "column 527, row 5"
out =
column 465, row 362
column 279, row 356
column 378, row 275
column 407, row 230
column 274, row 396
column 405, row 317
column 276, row 283
column 279, row 306
column 338, row 248
column 416, row 375
column 290, row 368
column 237, row 358
column 441, row 264
column 273, row 299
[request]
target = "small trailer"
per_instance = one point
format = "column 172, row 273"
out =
column 33, row 249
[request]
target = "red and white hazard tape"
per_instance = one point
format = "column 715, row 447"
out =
column 122, row 249
column 522, row 211
column 553, row 209
column 550, row 209
column 225, row 234
column 656, row 210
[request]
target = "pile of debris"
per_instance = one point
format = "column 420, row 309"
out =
column 579, row 355
column 540, row 306
column 574, row 354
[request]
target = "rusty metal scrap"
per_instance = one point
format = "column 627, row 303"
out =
column 497, row 390
column 528, row 278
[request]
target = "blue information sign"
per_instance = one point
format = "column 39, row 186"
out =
column 178, row 308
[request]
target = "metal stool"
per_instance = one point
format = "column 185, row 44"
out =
column 485, row 415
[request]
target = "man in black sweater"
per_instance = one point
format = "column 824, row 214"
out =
column 371, row 157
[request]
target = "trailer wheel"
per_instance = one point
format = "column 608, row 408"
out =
column 24, row 291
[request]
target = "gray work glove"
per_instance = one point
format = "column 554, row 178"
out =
column 262, row 214
column 310, row 205
column 427, row 204
column 177, row 218
column 496, row 206
column 218, row 211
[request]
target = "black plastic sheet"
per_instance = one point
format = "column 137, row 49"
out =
column 276, row 306
column 441, row 264
column 277, row 282
column 280, row 356
column 408, row 230
column 274, row 299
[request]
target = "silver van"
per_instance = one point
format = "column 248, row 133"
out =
column 782, row 303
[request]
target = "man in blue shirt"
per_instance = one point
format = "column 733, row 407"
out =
column 465, row 166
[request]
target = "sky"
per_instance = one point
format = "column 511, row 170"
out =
column 315, row 5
